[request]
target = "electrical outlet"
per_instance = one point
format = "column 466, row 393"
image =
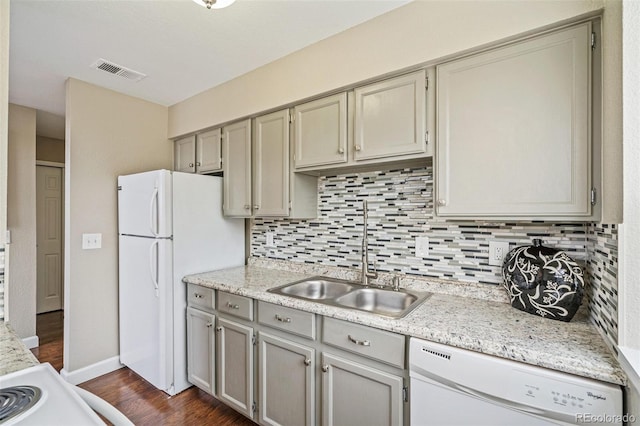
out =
column 422, row 247
column 497, row 252
column 270, row 242
column 91, row 241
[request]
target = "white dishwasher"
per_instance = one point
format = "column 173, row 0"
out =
column 451, row 386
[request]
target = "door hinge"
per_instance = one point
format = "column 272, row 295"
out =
column 254, row 407
column 119, row 187
column 426, row 136
column 593, row 40
column 405, row 394
column 426, row 83
column 593, row 196
column 254, row 340
column 291, row 118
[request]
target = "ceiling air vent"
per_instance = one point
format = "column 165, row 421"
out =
column 118, row 70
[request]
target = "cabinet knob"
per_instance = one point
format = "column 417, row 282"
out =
column 283, row 319
column 190, row 164
column 218, row 328
column 307, row 362
column 325, row 368
column 442, row 202
column 198, row 295
column 209, row 324
column 358, row 147
column 256, row 207
column 198, row 163
column 247, row 207
column 232, row 306
column 340, row 150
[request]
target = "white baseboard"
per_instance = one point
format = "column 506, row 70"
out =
column 31, row 342
column 91, row 371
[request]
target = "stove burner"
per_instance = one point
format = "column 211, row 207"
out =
column 16, row 400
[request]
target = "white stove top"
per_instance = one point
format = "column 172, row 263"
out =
column 58, row 405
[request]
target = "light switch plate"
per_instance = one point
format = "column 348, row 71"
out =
column 497, row 252
column 270, row 242
column 422, row 246
column 91, row 241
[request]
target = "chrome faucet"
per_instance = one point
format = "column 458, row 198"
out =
column 366, row 274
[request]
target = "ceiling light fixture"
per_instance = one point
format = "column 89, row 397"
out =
column 214, row 4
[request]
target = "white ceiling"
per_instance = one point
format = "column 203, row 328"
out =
column 182, row 47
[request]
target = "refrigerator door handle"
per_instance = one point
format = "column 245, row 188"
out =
column 153, row 210
column 153, row 267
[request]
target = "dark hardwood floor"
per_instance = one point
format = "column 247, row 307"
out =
column 142, row 403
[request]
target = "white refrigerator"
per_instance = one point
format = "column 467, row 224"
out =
column 170, row 225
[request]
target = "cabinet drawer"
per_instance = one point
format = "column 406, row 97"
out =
column 370, row 342
column 287, row 319
column 201, row 296
column 233, row 304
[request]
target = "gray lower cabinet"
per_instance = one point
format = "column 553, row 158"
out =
column 234, row 356
column 355, row 394
column 286, row 382
column 201, row 349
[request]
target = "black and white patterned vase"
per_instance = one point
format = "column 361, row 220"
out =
column 543, row 281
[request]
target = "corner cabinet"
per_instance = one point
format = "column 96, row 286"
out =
column 200, row 153
column 514, row 130
column 258, row 181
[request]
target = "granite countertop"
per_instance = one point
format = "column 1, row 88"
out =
column 489, row 326
column 14, row 355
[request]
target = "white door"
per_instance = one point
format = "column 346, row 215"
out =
column 145, row 298
column 144, row 204
column 49, row 189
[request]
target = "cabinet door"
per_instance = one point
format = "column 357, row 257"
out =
column 320, row 132
column 354, row 394
column 513, row 130
column 208, row 158
column 271, row 165
column 390, row 118
column 236, row 163
column 184, row 154
column 234, row 372
column 286, row 382
column 200, row 349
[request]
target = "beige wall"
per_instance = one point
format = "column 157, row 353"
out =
column 107, row 134
column 48, row 149
column 416, row 34
column 21, row 220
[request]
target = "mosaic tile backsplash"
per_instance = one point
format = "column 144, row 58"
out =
column 400, row 209
column 602, row 274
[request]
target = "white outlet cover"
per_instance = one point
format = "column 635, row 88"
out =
column 422, row 246
column 91, row 241
column 270, row 242
column 497, row 252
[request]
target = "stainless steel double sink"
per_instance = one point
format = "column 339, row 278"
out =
column 351, row 295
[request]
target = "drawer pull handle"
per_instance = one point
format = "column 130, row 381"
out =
column 359, row 342
column 325, row 368
column 281, row 319
column 198, row 295
column 209, row 324
column 307, row 362
column 232, row 306
column 218, row 328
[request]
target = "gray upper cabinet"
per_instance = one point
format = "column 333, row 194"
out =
column 200, row 153
column 184, row 155
column 271, row 164
column 320, row 132
column 390, row 118
column 208, row 151
column 514, row 130
column 237, row 181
